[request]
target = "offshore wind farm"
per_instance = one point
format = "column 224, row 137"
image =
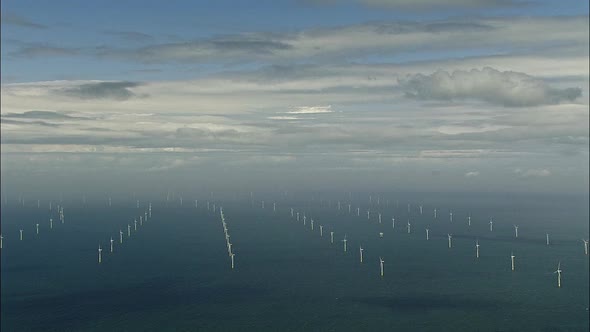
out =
column 278, row 274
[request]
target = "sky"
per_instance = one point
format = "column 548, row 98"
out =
column 367, row 95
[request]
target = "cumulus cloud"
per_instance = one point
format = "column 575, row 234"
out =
column 472, row 174
column 102, row 90
column 534, row 172
column 507, row 88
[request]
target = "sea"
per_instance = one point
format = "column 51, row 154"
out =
column 174, row 273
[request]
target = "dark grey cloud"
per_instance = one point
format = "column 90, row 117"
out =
column 17, row 20
column 36, row 122
column 36, row 50
column 134, row 36
column 225, row 47
column 47, row 115
column 103, row 90
column 507, row 88
column 424, row 5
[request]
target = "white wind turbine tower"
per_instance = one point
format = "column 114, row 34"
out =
column 450, row 240
column 50, row 223
column 427, row 234
column 1, row 238
column 558, row 271
column 99, row 254
column 381, row 261
column 477, row 248
column 120, row 236
column 140, row 220
column 512, row 260
column 358, row 211
column 547, row 238
column 297, row 216
column 331, row 237
column 344, row 241
column 361, row 252
column 311, row 222
column 420, row 209
column 368, row 215
column 196, row 203
column 232, row 260
column 274, row 207
column 262, row 204
column 128, row 230
column 349, row 207
column 112, row 244
column 379, row 217
column 516, row 231
column 135, row 224
column 434, row 213
column 409, row 207
column 37, row 226
column 291, row 212
column 393, row 223
column 585, row 246
column 321, row 231
column 469, row 220
column 451, row 216
column 491, row 225
column 338, row 205
column 21, row 234
column 304, row 219
column 409, row 227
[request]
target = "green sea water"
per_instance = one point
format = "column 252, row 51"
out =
column 173, row 273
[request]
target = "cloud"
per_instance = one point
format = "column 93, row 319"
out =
column 47, row 115
column 102, row 90
column 507, row 88
column 35, row 50
column 12, row 19
column 134, row 36
column 472, row 174
column 312, row 110
column 435, row 4
column 535, row 172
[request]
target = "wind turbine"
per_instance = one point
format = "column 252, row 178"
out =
column 349, row 207
column 37, row 226
column 321, row 231
column 381, row 261
column 450, row 240
column 434, row 213
column 344, row 241
column 409, row 227
column 469, row 220
column 291, row 212
column 232, row 260
column 477, row 248
column 128, row 230
column 21, row 234
column 112, row 244
column 491, row 225
column 361, row 252
column 585, row 246
column 331, row 237
column 547, row 237
column 368, row 215
column 393, row 223
column 1, row 238
column 120, row 236
column 427, row 234
column 297, row 216
column 516, row 231
column 420, row 209
column 558, row 271
column 274, row 207
column 512, row 260
column 311, row 222
column 451, row 216
column 135, row 224
column 263, row 205
column 140, row 220
column 99, row 254
column 50, row 223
